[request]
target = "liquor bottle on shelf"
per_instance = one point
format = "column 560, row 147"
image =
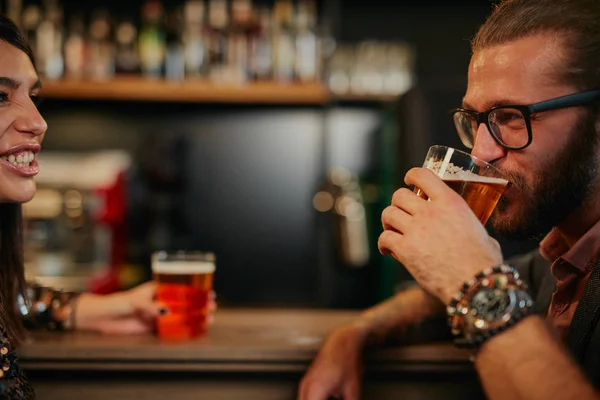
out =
column 284, row 40
column 101, row 49
column 13, row 11
column 242, row 21
column 175, row 56
column 242, row 14
column 194, row 39
column 307, row 66
column 127, row 59
column 49, row 41
column 30, row 21
column 227, row 41
column 218, row 23
column 261, row 47
column 152, row 43
column 75, row 49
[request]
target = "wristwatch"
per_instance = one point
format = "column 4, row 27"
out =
column 492, row 302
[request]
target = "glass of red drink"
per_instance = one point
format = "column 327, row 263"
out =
column 185, row 286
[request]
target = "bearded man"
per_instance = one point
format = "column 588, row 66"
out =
column 531, row 110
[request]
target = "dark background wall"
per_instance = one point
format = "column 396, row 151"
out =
column 239, row 181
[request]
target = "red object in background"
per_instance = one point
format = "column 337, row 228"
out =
column 112, row 214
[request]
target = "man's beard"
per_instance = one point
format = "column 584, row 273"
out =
column 559, row 188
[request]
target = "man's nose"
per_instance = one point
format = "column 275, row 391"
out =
column 29, row 120
column 486, row 148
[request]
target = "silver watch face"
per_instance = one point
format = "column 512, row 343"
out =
column 491, row 304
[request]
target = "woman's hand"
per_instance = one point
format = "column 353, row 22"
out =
column 123, row 313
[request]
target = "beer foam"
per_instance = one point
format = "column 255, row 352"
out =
column 450, row 172
column 183, row 267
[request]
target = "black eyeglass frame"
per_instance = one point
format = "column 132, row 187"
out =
column 572, row 100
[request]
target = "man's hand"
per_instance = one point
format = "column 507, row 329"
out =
column 440, row 241
column 337, row 369
column 123, row 313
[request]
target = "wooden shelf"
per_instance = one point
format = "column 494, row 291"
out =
column 127, row 88
column 365, row 98
column 141, row 89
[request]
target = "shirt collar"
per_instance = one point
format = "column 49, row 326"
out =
column 580, row 255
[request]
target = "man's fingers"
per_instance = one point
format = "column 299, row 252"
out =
column 388, row 240
column 429, row 183
column 495, row 244
column 408, row 201
column 395, row 219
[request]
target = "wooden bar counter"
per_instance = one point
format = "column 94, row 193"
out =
column 247, row 354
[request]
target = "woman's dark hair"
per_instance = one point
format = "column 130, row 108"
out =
column 11, row 34
column 12, row 271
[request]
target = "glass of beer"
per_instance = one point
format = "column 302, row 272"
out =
column 479, row 183
column 184, row 285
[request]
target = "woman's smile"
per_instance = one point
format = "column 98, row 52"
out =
column 21, row 159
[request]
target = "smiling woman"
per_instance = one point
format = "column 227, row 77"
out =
column 22, row 131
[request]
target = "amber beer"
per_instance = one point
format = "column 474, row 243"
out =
column 480, row 192
column 478, row 182
column 184, row 286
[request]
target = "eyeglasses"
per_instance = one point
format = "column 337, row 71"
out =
column 510, row 125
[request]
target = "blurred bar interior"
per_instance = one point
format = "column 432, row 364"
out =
column 270, row 133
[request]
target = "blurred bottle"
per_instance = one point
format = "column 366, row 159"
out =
column 261, row 47
column 284, row 40
column 398, row 71
column 344, row 273
column 13, row 11
column 218, row 23
column 32, row 16
column 340, row 68
column 175, row 55
column 231, row 41
column 242, row 14
column 127, row 59
column 242, row 22
column 49, row 41
column 194, row 40
column 75, row 49
column 152, row 41
column 307, row 66
column 349, row 207
column 101, row 49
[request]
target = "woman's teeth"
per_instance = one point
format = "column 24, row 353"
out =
column 22, row 159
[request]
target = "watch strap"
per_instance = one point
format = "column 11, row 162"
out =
column 469, row 330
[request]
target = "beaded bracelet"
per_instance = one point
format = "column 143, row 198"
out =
column 48, row 309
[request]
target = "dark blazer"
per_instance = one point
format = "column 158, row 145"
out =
column 535, row 270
